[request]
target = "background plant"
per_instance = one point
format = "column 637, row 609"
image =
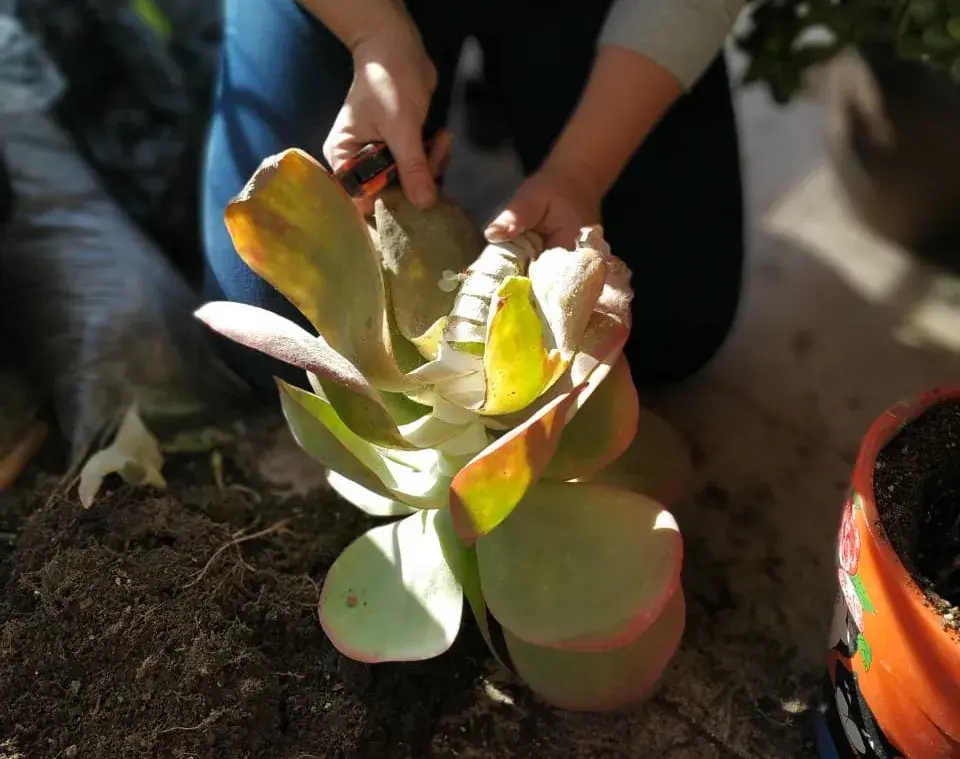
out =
column 785, row 38
column 478, row 396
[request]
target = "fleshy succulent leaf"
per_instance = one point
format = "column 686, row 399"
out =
column 402, row 409
column 429, row 342
column 602, row 429
column 462, row 560
column 656, row 463
column 605, row 680
column 516, row 365
column 567, row 285
column 357, row 403
column 418, row 246
column 295, row 226
column 580, row 566
column 368, row 501
column 390, row 596
column 600, row 346
column 487, row 489
column 408, row 476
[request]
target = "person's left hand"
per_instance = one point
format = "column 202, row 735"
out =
column 555, row 202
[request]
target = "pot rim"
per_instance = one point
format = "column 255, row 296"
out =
column 884, row 429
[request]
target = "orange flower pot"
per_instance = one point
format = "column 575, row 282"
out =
column 893, row 685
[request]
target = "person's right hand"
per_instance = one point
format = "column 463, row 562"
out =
column 388, row 100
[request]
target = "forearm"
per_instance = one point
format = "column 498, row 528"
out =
column 355, row 21
column 650, row 52
column 626, row 95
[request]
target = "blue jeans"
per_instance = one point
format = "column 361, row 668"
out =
column 675, row 215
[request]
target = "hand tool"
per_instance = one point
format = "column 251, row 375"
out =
column 371, row 170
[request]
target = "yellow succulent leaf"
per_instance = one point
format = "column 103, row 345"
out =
column 516, row 363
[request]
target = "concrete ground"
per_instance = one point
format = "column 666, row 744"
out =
column 835, row 326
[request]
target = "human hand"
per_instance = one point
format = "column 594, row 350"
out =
column 555, row 202
column 388, row 100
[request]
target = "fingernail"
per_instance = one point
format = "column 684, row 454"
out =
column 497, row 232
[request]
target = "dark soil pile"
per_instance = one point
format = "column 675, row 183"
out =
column 917, row 484
column 183, row 623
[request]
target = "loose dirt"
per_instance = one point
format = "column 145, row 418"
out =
column 183, row 623
column 917, row 486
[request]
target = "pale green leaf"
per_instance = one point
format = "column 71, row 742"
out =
column 390, row 596
column 368, row 501
column 410, row 476
column 656, row 463
column 579, row 565
column 602, row 680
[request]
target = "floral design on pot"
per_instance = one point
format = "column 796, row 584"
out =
column 852, row 587
column 892, row 686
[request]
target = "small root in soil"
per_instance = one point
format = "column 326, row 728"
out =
column 239, row 537
column 209, row 720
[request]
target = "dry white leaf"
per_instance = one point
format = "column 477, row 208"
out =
column 134, row 454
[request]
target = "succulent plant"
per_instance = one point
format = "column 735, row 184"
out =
column 476, row 395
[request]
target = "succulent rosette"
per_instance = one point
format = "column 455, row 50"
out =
column 477, row 395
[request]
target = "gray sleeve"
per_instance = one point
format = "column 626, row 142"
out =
column 683, row 36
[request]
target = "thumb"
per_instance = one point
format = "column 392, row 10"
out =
column 406, row 144
column 524, row 212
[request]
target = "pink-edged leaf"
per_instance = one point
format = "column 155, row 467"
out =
column 606, row 680
column 486, row 490
column 296, row 227
column 357, row 403
column 601, row 430
column 656, row 463
column 580, row 566
column 391, row 596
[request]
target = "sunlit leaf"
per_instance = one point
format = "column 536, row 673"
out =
column 402, row 409
column 604, row 680
column 488, row 488
column 134, row 455
column 390, row 596
column 600, row 347
column 579, row 565
column 408, row 476
column 428, row 344
column 357, row 403
column 515, row 363
column 656, row 463
column 566, row 285
column 462, row 560
column 417, row 247
column 295, row 226
column 602, row 429
column 368, row 501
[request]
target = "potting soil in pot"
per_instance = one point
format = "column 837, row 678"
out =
column 917, row 484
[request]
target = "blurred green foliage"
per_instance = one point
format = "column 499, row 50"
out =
column 786, row 37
